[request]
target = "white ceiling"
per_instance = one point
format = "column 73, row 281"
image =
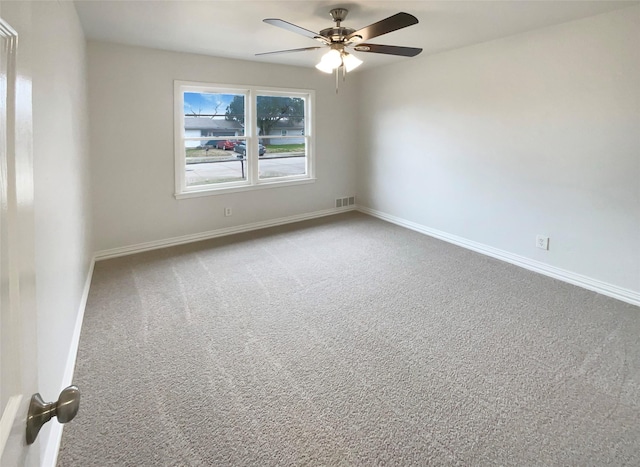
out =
column 234, row 28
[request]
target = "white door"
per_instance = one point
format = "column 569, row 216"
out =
column 18, row 351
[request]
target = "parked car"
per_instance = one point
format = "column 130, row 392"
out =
column 226, row 144
column 210, row 144
column 241, row 148
column 219, row 144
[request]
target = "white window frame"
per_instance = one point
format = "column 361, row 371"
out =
column 251, row 137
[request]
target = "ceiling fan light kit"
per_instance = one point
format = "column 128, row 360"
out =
column 330, row 61
column 340, row 38
column 336, row 58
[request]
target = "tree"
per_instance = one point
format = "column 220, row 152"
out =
column 271, row 110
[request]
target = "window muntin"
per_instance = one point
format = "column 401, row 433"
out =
column 220, row 147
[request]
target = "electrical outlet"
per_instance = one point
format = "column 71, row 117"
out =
column 542, row 242
column 339, row 202
column 352, row 200
column 228, row 212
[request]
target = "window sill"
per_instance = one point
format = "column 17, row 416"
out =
column 209, row 191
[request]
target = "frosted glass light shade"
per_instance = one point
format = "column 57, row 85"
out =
column 324, row 67
column 332, row 58
column 351, row 62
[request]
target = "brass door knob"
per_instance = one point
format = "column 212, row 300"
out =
column 40, row 412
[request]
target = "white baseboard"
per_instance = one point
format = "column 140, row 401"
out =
column 50, row 451
column 140, row 247
column 585, row 282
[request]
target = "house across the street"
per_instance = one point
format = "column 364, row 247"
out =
column 206, row 127
column 210, row 127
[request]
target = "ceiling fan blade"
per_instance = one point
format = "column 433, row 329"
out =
column 388, row 49
column 293, row 28
column 392, row 23
column 289, row 50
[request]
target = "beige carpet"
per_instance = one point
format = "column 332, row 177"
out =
column 349, row 341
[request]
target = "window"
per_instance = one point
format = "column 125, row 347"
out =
column 235, row 138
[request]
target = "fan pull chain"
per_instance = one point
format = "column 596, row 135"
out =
column 344, row 76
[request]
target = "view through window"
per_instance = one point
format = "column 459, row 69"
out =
column 234, row 138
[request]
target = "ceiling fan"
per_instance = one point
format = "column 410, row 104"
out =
column 340, row 38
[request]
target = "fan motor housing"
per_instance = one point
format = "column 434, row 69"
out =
column 336, row 34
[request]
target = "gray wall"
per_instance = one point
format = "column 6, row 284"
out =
column 61, row 188
column 132, row 149
column 537, row 133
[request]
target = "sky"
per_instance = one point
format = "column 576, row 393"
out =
column 206, row 103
